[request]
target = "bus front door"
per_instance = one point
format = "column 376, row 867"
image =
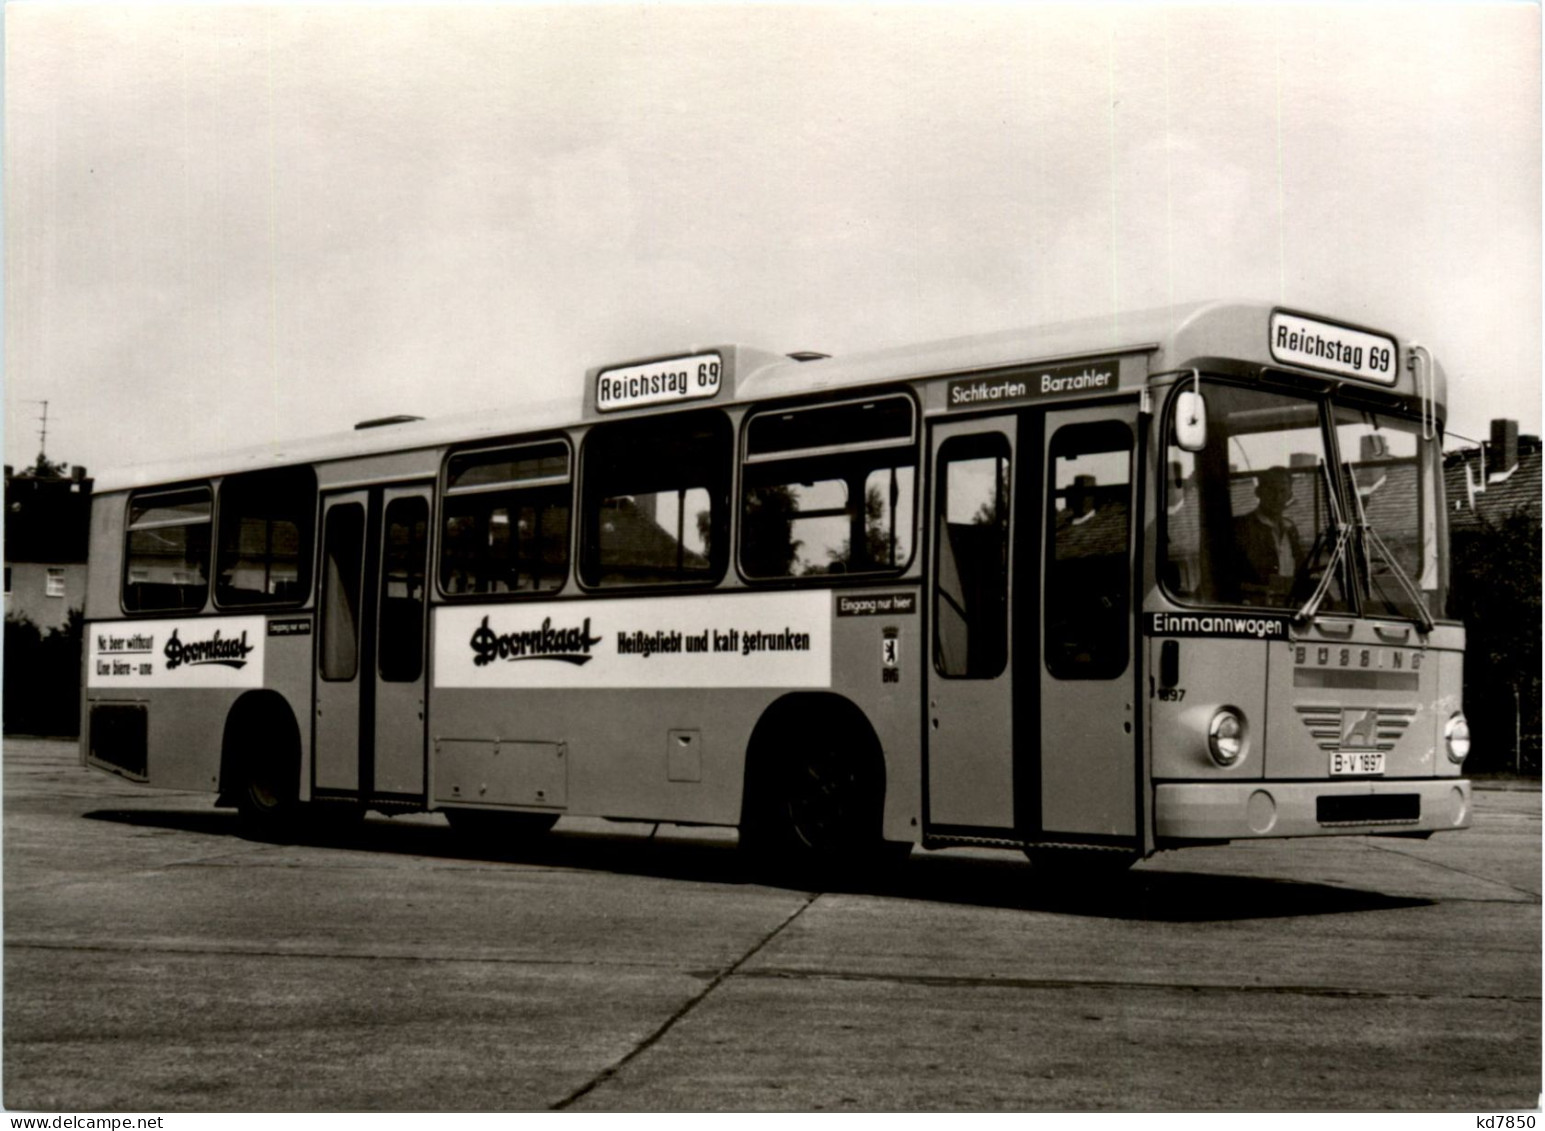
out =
column 370, row 689
column 1088, row 778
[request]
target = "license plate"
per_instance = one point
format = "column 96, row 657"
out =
column 1356, row 763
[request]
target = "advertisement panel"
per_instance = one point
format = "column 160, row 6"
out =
column 722, row 640
column 183, row 652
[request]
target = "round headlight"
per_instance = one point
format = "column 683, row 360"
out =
column 1226, row 737
column 1457, row 735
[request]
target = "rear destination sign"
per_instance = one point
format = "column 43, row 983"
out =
column 1313, row 344
column 669, row 381
column 1031, row 385
column 729, row 640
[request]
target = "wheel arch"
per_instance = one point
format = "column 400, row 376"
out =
column 802, row 709
column 259, row 712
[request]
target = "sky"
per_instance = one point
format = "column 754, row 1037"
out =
column 232, row 225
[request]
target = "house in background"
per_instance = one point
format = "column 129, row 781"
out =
column 47, row 521
column 1494, row 480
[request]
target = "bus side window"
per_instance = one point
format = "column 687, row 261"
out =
column 829, row 489
column 266, row 519
column 505, row 527
column 656, row 500
column 1088, row 570
column 971, row 586
column 166, row 559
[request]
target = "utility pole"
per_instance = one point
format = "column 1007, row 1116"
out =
column 43, row 437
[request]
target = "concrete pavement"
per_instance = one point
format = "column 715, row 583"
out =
column 156, row 961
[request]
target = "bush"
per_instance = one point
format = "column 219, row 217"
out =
column 42, row 677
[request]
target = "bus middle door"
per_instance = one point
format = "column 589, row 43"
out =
column 370, row 697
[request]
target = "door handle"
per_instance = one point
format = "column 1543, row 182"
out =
column 1336, row 629
column 1393, row 632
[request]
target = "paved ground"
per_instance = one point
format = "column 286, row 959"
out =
column 155, row 961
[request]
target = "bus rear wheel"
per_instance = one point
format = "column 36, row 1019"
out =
column 267, row 788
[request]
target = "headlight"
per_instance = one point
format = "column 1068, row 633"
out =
column 1457, row 735
column 1226, row 737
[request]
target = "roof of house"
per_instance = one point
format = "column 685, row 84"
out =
column 46, row 518
column 1474, row 496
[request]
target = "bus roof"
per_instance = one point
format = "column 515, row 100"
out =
column 1173, row 336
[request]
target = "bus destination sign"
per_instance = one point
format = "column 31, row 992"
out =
column 669, row 381
column 1312, row 344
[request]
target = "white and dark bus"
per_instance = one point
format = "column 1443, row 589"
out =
column 1089, row 591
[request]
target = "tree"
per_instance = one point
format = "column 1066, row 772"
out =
column 1496, row 592
column 768, row 547
column 42, row 677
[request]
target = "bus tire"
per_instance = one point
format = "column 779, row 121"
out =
column 491, row 830
column 815, row 802
column 262, row 759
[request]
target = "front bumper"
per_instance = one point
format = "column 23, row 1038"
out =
column 1246, row 810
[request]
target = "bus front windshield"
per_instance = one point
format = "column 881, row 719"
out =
column 1391, row 479
column 1251, row 518
column 1256, row 517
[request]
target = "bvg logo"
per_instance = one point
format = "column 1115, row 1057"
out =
column 1363, row 731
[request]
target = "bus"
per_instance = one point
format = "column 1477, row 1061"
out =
column 1088, row 591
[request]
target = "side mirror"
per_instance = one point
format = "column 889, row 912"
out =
column 1190, row 421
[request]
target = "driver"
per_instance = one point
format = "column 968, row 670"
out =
column 1266, row 542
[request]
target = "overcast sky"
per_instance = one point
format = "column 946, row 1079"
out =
column 231, row 225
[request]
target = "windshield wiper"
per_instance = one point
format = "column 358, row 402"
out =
column 1312, row 605
column 1370, row 540
column 1423, row 617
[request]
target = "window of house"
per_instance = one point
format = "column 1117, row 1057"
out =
column 505, row 527
column 53, row 585
column 829, row 489
column 167, row 551
column 656, row 500
column 266, row 519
